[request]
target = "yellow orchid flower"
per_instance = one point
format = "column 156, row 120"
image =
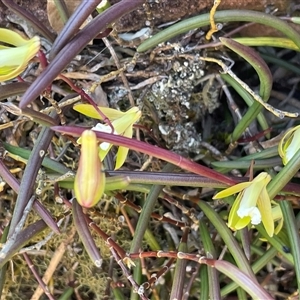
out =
column 252, row 205
column 289, row 144
column 89, row 181
column 122, row 123
column 14, row 59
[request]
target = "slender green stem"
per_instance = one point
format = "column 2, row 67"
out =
column 250, row 115
column 284, row 176
column 137, row 276
column 146, row 213
column 240, row 164
column 241, row 294
column 228, row 238
column 247, row 118
column 204, row 284
column 179, row 277
column 62, row 10
column 151, row 240
column 274, row 187
column 213, row 278
column 118, row 293
column 293, row 234
column 276, row 242
column 4, row 268
column 67, row 294
column 47, row 162
column 281, row 63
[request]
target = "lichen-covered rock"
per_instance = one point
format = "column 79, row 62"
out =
column 179, row 103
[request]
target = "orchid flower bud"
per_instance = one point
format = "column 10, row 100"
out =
column 89, row 181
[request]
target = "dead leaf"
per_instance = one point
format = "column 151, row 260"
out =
column 54, row 17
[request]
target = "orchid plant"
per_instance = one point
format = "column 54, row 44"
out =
column 253, row 204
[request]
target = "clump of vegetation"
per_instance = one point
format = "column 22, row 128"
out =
column 154, row 169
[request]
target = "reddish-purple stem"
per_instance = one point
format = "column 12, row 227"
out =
column 38, row 277
column 157, row 152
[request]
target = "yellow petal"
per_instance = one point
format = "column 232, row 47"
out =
column 11, row 37
column 121, row 157
column 232, row 190
column 90, row 111
column 121, row 122
column 279, row 226
column 252, row 192
column 127, row 121
column 13, row 56
column 242, row 223
column 277, row 216
column 123, row 151
column 102, row 6
column 233, row 218
column 6, row 70
column 4, row 47
column 264, row 206
column 128, row 132
column 276, row 212
column 103, row 152
column 13, row 61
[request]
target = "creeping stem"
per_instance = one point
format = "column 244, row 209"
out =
column 221, row 17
